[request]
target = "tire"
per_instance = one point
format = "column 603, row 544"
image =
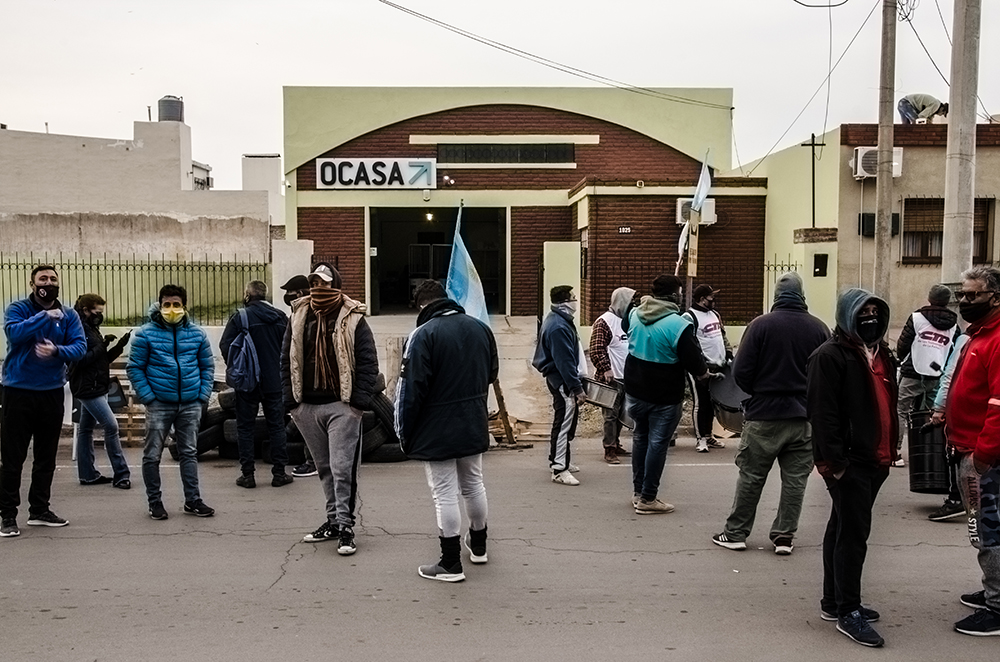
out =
column 375, row 438
column 227, row 399
column 385, row 412
column 259, row 430
column 388, row 452
column 207, row 440
column 212, row 416
column 368, row 421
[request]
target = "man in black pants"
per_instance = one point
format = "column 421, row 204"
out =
column 852, row 409
column 42, row 337
column 267, row 328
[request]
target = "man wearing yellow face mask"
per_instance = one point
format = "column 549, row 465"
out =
column 171, row 369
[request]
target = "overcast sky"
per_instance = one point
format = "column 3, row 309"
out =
column 91, row 67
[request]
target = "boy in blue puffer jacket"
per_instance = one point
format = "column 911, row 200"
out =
column 171, row 369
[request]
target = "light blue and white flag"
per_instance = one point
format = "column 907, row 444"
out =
column 704, row 184
column 464, row 286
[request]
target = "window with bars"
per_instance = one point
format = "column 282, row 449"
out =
column 507, row 153
column 923, row 229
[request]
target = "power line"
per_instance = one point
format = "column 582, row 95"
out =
column 552, row 64
column 839, row 4
column 832, row 69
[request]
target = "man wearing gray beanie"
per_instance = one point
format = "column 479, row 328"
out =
column 923, row 348
column 771, row 367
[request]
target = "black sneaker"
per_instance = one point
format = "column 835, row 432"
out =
column 855, row 626
column 157, row 511
column 124, row 484
column 347, row 546
column 948, row 510
column 247, row 481
column 281, row 479
column 477, row 551
column 100, row 480
column 982, row 623
column 48, row 518
column 305, row 469
column 442, row 574
column 975, row 600
column 870, row 614
column 783, row 546
column 198, row 508
column 8, row 528
column 326, row 532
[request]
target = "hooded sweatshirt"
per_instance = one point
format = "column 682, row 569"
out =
column 936, row 338
column 661, row 348
column 771, row 363
column 267, row 329
column 608, row 341
column 852, row 393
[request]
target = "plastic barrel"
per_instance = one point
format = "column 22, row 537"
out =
column 928, row 465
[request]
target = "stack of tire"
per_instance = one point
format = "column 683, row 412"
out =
column 218, row 429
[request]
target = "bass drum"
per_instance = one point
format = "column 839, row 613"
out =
column 728, row 399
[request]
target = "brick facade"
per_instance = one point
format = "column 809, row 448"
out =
column 529, row 228
column 338, row 234
column 915, row 135
column 622, row 153
column 731, row 252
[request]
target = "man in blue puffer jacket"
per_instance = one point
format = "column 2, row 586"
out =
column 171, row 369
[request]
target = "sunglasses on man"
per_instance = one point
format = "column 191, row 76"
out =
column 971, row 295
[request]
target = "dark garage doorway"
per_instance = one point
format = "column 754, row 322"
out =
column 414, row 243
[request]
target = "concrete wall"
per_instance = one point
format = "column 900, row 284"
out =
column 87, row 194
column 262, row 172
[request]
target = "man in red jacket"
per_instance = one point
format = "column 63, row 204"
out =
column 972, row 417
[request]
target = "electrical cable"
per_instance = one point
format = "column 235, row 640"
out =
column 944, row 25
column 834, row 68
column 736, row 149
column 839, row 4
column 552, row 64
column 829, row 81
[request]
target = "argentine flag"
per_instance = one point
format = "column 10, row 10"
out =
column 464, row 286
column 704, row 184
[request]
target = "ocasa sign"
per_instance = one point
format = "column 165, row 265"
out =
column 376, row 173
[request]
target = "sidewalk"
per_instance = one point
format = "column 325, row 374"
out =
column 574, row 573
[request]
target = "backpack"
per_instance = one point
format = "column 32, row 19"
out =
column 242, row 366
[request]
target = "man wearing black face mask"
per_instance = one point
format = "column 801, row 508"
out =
column 295, row 288
column 972, row 417
column 42, row 337
column 851, row 391
column 267, row 328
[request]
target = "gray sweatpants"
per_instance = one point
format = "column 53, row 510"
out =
column 449, row 478
column 333, row 434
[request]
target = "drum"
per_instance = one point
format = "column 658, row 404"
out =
column 728, row 399
column 928, row 462
column 599, row 393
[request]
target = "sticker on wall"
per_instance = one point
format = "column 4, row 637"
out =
column 376, row 173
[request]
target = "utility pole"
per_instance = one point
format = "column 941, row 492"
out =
column 960, row 159
column 813, row 144
column 883, row 184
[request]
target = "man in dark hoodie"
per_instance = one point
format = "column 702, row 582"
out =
column 852, row 410
column 449, row 362
column 771, row 368
column 559, row 357
column 923, row 348
column 328, row 369
column 267, row 328
column 661, row 349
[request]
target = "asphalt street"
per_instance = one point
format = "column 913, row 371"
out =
column 574, row 573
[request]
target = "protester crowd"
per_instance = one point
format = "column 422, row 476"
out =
column 838, row 401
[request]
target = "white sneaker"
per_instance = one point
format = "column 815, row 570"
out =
column 573, row 468
column 702, row 446
column 899, row 463
column 565, row 478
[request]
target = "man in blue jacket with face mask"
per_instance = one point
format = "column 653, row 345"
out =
column 172, row 369
column 42, row 337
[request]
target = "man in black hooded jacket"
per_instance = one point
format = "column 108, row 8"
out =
column 449, row 362
column 851, row 395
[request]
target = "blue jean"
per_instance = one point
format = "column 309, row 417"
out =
column 185, row 418
column 95, row 411
column 907, row 112
column 654, row 425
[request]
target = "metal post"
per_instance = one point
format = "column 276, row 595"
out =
column 882, row 280
column 960, row 158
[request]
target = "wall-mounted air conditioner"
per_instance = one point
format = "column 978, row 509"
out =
column 684, row 211
column 865, row 162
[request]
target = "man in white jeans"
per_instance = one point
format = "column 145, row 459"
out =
column 449, row 362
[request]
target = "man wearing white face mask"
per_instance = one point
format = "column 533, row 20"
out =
column 172, row 369
column 558, row 357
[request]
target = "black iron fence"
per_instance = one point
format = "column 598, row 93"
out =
column 131, row 283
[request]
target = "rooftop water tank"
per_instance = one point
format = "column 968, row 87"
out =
column 171, row 109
